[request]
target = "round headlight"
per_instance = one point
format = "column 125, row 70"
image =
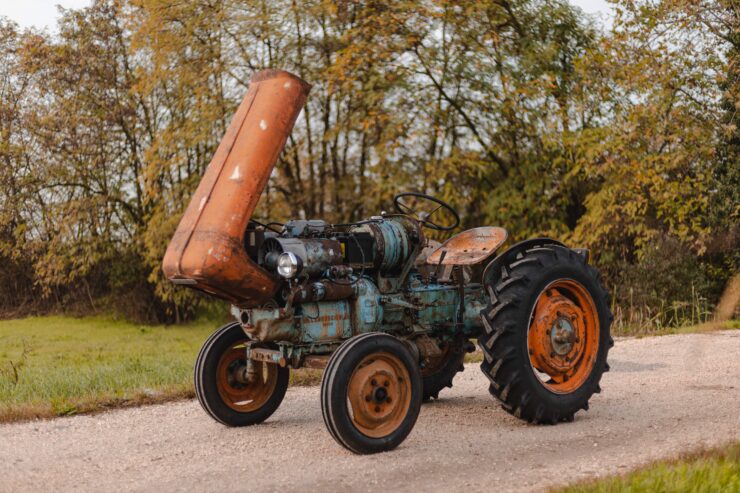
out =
column 288, row 265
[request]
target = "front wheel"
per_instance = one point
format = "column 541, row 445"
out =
column 546, row 334
column 225, row 390
column 371, row 393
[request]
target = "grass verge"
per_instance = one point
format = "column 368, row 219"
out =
column 709, row 471
column 56, row 366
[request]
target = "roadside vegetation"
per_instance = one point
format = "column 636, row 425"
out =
column 52, row 366
column 56, row 366
column 620, row 138
column 707, row 471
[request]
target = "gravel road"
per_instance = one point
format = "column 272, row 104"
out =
column 663, row 395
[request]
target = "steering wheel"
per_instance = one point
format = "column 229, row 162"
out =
column 423, row 216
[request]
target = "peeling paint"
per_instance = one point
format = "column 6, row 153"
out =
column 202, row 203
column 263, row 124
column 287, row 85
column 236, row 176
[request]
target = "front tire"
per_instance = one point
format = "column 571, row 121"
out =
column 546, row 334
column 220, row 385
column 371, row 393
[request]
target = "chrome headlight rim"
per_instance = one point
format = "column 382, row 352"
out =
column 289, row 265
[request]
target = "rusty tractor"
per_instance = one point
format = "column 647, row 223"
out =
column 388, row 313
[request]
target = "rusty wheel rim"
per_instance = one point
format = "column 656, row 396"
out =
column 379, row 395
column 233, row 387
column 563, row 337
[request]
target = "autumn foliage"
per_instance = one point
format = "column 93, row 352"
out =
column 526, row 114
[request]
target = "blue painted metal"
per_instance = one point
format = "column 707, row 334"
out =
column 322, row 321
column 367, row 310
column 396, row 247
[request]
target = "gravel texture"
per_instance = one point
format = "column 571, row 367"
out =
column 664, row 395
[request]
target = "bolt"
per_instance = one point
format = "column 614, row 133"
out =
column 552, row 355
column 386, row 383
column 368, row 398
column 548, row 331
column 577, row 339
column 559, row 314
column 373, row 382
column 388, row 400
column 377, row 409
column 531, row 352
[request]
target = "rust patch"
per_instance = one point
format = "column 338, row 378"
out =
column 207, row 251
column 469, row 247
column 317, row 362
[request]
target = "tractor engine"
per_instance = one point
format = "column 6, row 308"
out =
column 342, row 280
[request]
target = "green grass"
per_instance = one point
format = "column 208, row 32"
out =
column 716, row 470
column 684, row 329
column 52, row 366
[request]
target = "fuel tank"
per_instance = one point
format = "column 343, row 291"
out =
column 207, row 250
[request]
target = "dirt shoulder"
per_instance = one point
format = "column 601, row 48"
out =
column 662, row 396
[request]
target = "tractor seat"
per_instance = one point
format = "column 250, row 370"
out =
column 469, row 247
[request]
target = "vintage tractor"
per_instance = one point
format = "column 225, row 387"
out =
column 387, row 312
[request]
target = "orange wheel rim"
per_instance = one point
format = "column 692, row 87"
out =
column 379, row 395
column 563, row 337
column 231, row 381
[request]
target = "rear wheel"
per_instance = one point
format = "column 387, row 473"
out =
column 225, row 390
column 371, row 393
column 546, row 334
column 438, row 372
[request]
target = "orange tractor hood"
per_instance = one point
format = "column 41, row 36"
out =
column 207, row 251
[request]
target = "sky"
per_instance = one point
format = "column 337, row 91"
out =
column 42, row 13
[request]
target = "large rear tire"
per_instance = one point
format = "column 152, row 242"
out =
column 221, row 387
column 371, row 393
column 546, row 334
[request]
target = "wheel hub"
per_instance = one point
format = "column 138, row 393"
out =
column 563, row 336
column 379, row 395
column 236, row 389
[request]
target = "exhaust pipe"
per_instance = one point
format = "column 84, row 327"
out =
column 207, row 251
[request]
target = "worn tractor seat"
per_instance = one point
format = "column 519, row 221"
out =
column 469, row 247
